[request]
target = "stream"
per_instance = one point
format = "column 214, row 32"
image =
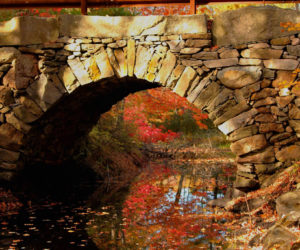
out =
column 165, row 207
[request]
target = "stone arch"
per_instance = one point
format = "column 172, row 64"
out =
column 238, row 84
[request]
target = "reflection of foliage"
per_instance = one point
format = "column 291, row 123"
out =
column 165, row 209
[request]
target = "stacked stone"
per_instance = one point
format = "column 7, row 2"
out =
column 238, row 86
column 246, row 89
column 253, row 97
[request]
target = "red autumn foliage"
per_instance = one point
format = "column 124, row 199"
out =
column 147, row 108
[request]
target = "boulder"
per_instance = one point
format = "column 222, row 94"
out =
column 288, row 205
column 238, row 77
column 279, row 237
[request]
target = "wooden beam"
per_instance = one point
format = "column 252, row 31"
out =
column 83, row 6
column 192, row 7
column 26, row 4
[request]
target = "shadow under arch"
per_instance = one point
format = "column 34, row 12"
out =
column 55, row 135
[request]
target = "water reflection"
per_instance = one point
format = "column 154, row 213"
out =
column 165, row 207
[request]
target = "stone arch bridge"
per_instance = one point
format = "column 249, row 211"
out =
column 58, row 75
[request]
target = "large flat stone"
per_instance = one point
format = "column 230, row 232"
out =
column 234, row 111
column 262, row 53
column 8, row 155
column 207, row 95
column 204, row 55
column 10, row 138
column 294, row 113
column 221, row 98
column 104, row 64
column 143, row 56
column 248, row 144
column 281, row 64
column 28, row 30
column 126, row 26
column 44, row 92
column 242, row 133
column 79, row 71
column 238, row 77
column 67, row 77
column 294, row 50
column 252, row 24
column 168, row 65
column 295, row 124
column 6, row 96
column 91, row 67
column 222, row 109
column 185, row 81
column 23, row 69
column 221, row 63
column 284, row 78
column 237, row 122
column 264, row 156
column 289, row 153
column 24, row 114
column 130, row 56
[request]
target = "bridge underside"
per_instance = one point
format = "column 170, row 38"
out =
column 52, row 91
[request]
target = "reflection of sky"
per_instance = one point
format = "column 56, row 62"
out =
column 187, row 197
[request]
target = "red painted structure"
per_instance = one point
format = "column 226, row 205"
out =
column 84, row 4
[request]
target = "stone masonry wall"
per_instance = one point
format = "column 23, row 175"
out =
column 248, row 89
